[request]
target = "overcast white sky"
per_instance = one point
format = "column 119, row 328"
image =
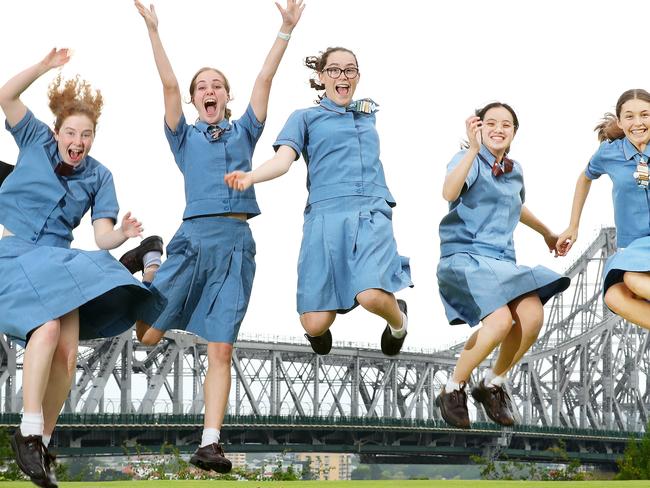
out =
column 560, row 64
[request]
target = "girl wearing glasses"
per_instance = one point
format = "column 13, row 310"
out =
column 623, row 155
column 52, row 295
column 478, row 278
column 208, row 275
column 348, row 255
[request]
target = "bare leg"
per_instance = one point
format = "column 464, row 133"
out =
column 383, row 304
column 216, row 387
column 317, row 323
column 628, row 305
column 62, row 371
column 528, row 314
column 147, row 334
column 149, row 273
column 482, row 342
column 36, row 364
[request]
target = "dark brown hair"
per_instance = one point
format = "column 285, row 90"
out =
column 608, row 129
column 318, row 63
column 227, row 112
column 74, row 97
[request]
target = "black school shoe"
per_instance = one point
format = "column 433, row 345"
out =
column 211, row 458
column 391, row 345
column 32, row 459
column 132, row 260
column 321, row 344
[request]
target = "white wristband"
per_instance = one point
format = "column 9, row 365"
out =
column 284, row 36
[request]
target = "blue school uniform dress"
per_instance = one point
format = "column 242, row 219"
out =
column 348, row 244
column 208, row 275
column 619, row 159
column 42, row 278
column 478, row 273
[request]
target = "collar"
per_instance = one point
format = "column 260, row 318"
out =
column 223, row 124
column 328, row 104
column 486, row 156
column 630, row 151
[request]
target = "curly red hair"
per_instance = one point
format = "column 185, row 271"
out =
column 74, row 97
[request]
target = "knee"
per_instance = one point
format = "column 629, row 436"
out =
column 146, row 334
column 315, row 323
column 219, row 354
column 65, row 359
column 534, row 321
column 48, row 333
column 372, row 299
column 616, row 295
column 500, row 325
column 635, row 281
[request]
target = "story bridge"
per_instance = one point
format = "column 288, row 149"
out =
column 584, row 385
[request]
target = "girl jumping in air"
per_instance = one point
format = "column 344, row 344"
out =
column 623, row 155
column 208, row 275
column 53, row 295
column 478, row 277
column 348, row 255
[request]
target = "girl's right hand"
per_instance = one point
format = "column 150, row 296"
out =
column 566, row 240
column 149, row 15
column 56, row 58
column 239, row 180
column 473, row 127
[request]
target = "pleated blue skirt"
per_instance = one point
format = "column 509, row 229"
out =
column 207, row 278
column 39, row 283
column 473, row 286
column 635, row 257
column 347, row 247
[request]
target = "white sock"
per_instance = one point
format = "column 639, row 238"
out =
column 489, row 376
column 46, row 439
column 451, row 386
column 31, row 424
column 401, row 332
column 210, row 436
column 152, row 258
column 497, row 381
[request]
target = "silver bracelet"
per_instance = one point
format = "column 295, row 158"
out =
column 283, row 36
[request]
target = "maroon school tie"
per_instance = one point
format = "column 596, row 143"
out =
column 498, row 170
column 64, row 169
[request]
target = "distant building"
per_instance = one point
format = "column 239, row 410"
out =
column 328, row 465
column 238, row 459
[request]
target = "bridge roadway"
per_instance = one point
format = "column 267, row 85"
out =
column 406, row 441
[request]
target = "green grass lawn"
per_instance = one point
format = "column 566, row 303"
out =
column 343, row 484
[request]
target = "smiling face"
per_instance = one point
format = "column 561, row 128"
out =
column 634, row 121
column 210, row 95
column 498, row 130
column 75, row 138
column 340, row 89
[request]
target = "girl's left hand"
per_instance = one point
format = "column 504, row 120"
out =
column 551, row 242
column 130, row 226
column 291, row 14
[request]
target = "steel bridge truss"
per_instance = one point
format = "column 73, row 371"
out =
column 588, row 369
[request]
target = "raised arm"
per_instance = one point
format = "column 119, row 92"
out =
column 528, row 218
column 108, row 237
column 269, row 170
column 455, row 179
column 171, row 91
column 12, row 106
column 570, row 235
column 260, row 96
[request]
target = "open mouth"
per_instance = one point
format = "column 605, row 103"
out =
column 210, row 106
column 74, row 155
column 342, row 89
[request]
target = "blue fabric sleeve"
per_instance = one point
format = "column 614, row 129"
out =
column 105, row 204
column 176, row 139
column 30, row 131
column 473, row 171
column 596, row 166
column 293, row 134
column 251, row 125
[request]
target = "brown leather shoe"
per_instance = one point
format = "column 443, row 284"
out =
column 495, row 401
column 31, row 457
column 211, row 457
column 453, row 407
column 132, row 259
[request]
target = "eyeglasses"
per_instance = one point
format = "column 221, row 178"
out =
column 335, row 72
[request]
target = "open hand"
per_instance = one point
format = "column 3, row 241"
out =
column 291, row 14
column 56, row 58
column 148, row 14
column 130, row 226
